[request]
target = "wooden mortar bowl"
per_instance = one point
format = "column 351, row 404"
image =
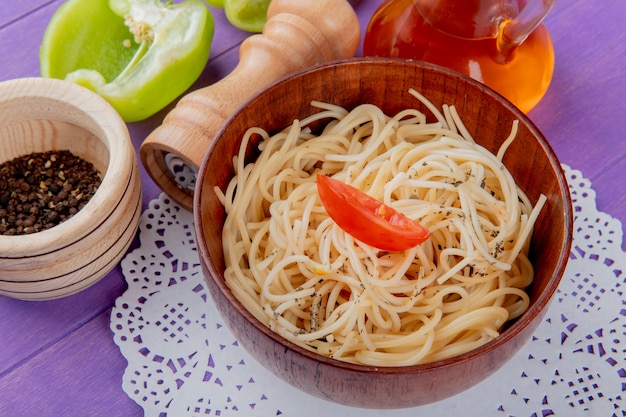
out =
column 385, row 83
column 39, row 115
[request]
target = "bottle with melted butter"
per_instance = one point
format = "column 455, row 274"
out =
column 501, row 43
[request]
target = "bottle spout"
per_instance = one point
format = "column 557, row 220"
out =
column 513, row 32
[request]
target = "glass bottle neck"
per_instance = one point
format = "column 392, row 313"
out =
column 470, row 19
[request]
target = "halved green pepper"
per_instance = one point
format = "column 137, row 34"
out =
column 140, row 55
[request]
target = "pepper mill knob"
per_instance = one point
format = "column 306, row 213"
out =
column 298, row 33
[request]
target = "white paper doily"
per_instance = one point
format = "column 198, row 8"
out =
column 183, row 361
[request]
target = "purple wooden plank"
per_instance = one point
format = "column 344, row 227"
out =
column 29, row 327
column 80, row 375
column 19, row 44
column 13, row 10
column 226, row 36
column 609, row 186
column 582, row 113
column 364, row 9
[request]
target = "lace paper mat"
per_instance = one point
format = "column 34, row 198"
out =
column 183, row 361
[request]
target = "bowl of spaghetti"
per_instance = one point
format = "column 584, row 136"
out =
column 381, row 233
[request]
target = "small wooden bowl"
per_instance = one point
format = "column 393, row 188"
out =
column 385, row 83
column 39, row 115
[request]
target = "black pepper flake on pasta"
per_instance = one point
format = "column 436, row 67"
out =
column 41, row 190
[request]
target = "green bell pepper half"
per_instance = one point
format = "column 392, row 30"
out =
column 139, row 55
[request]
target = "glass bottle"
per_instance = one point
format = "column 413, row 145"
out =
column 501, row 43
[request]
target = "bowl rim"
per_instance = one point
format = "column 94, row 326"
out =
column 534, row 313
column 104, row 123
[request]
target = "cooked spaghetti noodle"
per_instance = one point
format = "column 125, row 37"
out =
column 297, row 272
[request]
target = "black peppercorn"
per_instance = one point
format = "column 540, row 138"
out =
column 41, row 190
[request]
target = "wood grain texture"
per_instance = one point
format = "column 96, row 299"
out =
column 48, row 384
column 582, row 115
column 385, row 83
column 297, row 34
column 39, row 115
column 19, row 9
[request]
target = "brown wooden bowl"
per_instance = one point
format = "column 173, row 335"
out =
column 385, row 83
column 38, row 115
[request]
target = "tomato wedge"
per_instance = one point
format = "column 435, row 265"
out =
column 367, row 219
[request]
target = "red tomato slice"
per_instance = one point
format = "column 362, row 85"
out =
column 367, row 219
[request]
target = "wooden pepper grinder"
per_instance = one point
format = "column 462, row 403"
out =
column 298, row 33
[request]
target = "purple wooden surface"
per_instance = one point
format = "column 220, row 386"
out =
column 58, row 357
column 18, row 9
column 80, row 375
column 582, row 115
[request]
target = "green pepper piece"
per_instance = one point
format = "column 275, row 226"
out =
column 140, row 55
column 248, row 15
column 215, row 3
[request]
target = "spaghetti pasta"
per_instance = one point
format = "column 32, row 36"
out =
column 297, row 272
